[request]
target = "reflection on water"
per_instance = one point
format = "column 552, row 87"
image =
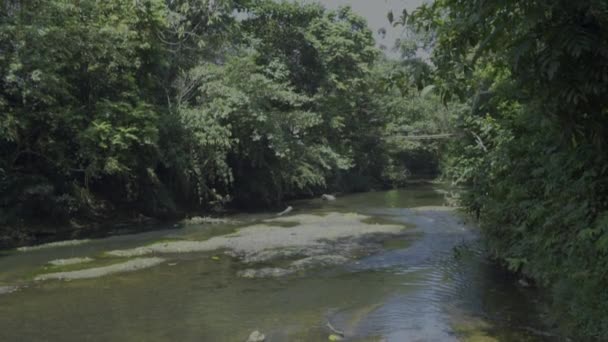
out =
column 433, row 286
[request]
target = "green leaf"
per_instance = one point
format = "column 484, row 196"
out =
column 427, row 90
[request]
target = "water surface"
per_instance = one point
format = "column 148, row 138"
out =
column 433, row 284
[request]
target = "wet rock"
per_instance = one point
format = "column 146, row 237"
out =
column 204, row 220
column 256, row 336
column 53, row 245
column 286, row 211
column 96, row 272
column 71, row 261
column 8, row 289
column 327, row 197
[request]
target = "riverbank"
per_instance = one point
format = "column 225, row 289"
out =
column 30, row 234
column 120, row 222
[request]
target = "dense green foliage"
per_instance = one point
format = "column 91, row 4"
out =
column 535, row 77
column 161, row 107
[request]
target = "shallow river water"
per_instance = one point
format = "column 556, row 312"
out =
column 430, row 284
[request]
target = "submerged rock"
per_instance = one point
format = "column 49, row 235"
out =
column 266, row 272
column 71, row 261
column 435, row 208
column 337, row 332
column 256, row 336
column 278, row 253
column 319, row 261
column 96, row 272
column 294, row 267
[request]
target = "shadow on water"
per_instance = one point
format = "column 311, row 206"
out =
column 432, row 285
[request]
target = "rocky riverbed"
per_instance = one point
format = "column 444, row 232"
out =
column 309, row 241
column 298, row 242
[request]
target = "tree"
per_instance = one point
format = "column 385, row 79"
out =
column 534, row 76
column 71, row 93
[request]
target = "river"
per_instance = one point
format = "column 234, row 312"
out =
column 429, row 283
